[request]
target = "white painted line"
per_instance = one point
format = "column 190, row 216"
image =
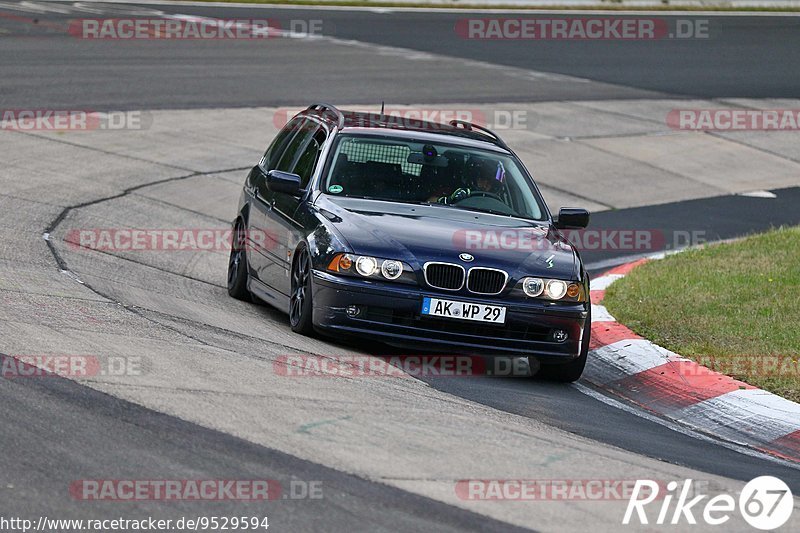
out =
column 758, row 194
column 72, row 276
column 602, row 283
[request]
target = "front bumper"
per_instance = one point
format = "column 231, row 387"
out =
column 391, row 313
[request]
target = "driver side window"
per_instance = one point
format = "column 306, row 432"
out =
column 308, row 159
column 279, row 150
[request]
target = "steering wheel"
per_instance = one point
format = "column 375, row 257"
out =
column 473, row 194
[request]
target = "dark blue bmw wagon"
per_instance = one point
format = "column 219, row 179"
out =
column 416, row 234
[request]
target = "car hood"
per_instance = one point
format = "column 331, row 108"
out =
column 417, row 234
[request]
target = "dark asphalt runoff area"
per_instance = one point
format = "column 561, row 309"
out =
column 692, row 222
column 742, row 56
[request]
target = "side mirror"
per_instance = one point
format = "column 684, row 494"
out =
column 285, row 182
column 572, row 218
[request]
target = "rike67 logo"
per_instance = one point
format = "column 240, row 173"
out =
column 766, row 503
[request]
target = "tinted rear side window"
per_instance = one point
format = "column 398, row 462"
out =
column 298, row 142
column 276, row 149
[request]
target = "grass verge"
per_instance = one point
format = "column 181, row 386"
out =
column 733, row 307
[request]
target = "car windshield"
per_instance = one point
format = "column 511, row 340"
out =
column 403, row 170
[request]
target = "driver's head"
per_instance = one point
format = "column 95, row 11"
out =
column 482, row 174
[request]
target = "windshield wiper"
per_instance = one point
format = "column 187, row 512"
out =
column 532, row 221
column 490, row 211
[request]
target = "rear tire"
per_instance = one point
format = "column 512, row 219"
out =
column 237, row 265
column 572, row 371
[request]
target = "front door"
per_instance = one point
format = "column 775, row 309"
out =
column 301, row 158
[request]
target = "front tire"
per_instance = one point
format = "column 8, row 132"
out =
column 237, row 265
column 300, row 305
column 572, row 371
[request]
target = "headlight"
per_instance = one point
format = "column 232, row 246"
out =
column 552, row 289
column 555, row 289
column 533, row 287
column 391, row 269
column 366, row 266
column 372, row 267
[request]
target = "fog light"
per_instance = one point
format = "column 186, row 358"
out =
column 559, row 335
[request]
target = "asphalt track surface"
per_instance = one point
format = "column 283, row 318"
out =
column 61, row 431
column 717, row 218
column 744, row 56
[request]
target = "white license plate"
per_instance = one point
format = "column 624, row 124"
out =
column 464, row 311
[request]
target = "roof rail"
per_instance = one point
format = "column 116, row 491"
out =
column 322, row 107
column 469, row 126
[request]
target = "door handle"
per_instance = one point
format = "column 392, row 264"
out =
column 267, row 204
column 259, row 197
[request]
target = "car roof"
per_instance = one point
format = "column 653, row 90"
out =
column 367, row 123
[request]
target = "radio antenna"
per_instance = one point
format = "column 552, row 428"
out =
column 382, row 107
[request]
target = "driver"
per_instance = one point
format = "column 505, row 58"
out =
column 485, row 175
column 482, row 175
